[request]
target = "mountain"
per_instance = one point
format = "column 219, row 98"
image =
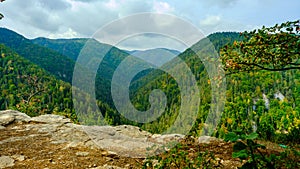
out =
column 157, row 57
column 93, row 51
column 46, row 58
column 58, row 57
column 72, row 48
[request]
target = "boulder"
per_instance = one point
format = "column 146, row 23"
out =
column 10, row 116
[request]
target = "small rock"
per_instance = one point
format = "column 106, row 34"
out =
column 109, row 153
column 2, row 127
column 108, row 159
column 82, row 154
column 6, row 119
column 73, row 144
column 109, row 167
column 18, row 157
column 6, row 161
column 94, row 165
column 207, row 139
column 51, row 119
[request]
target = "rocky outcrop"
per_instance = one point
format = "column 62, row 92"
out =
column 24, row 139
column 121, row 140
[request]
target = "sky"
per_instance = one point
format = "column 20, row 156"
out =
column 82, row 18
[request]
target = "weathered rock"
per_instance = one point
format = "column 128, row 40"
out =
column 207, row 139
column 82, row 154
column 6, row 119
column 18, row 157
column 17, row 116
column 158, row 138
column 6, row 161
column 124, row 140
column 50, row 119
column 108, row 167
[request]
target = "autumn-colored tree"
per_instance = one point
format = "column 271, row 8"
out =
column 275, row 48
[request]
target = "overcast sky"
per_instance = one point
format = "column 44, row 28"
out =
column 82, row 18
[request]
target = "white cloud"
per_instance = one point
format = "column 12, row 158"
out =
column 35, row 18
column 162, row 7
column 221, row 3
column 70, row 33
column 210, row 20
column 150, row 41
column 111, row 4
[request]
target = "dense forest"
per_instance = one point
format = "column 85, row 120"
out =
column 30, row 89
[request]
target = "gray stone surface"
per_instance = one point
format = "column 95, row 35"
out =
column 124, row 140
column 17, row 116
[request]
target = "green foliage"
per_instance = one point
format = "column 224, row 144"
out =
column 274, row 49
column 181, row 156
column 246, row 148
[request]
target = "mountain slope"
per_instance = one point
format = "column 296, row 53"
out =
column 28, row 88
column 46, row 58
column 247, row 96
column 51, row 58
column 112, row 59
column 66, row 47
column 72, row 48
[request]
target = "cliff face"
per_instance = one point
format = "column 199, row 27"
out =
column 52, row 141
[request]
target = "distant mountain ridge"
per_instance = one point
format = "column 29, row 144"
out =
column 67, row 47
column 156, row 56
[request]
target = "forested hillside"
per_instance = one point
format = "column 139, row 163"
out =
column 46, row 58
column 58, row 57
column 263, row 101
column 30, row 89
column 66, row 47
column 111, row 60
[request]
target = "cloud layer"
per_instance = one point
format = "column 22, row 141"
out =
column 82, row 18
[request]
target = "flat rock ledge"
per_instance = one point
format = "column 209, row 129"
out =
column 124, row 140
